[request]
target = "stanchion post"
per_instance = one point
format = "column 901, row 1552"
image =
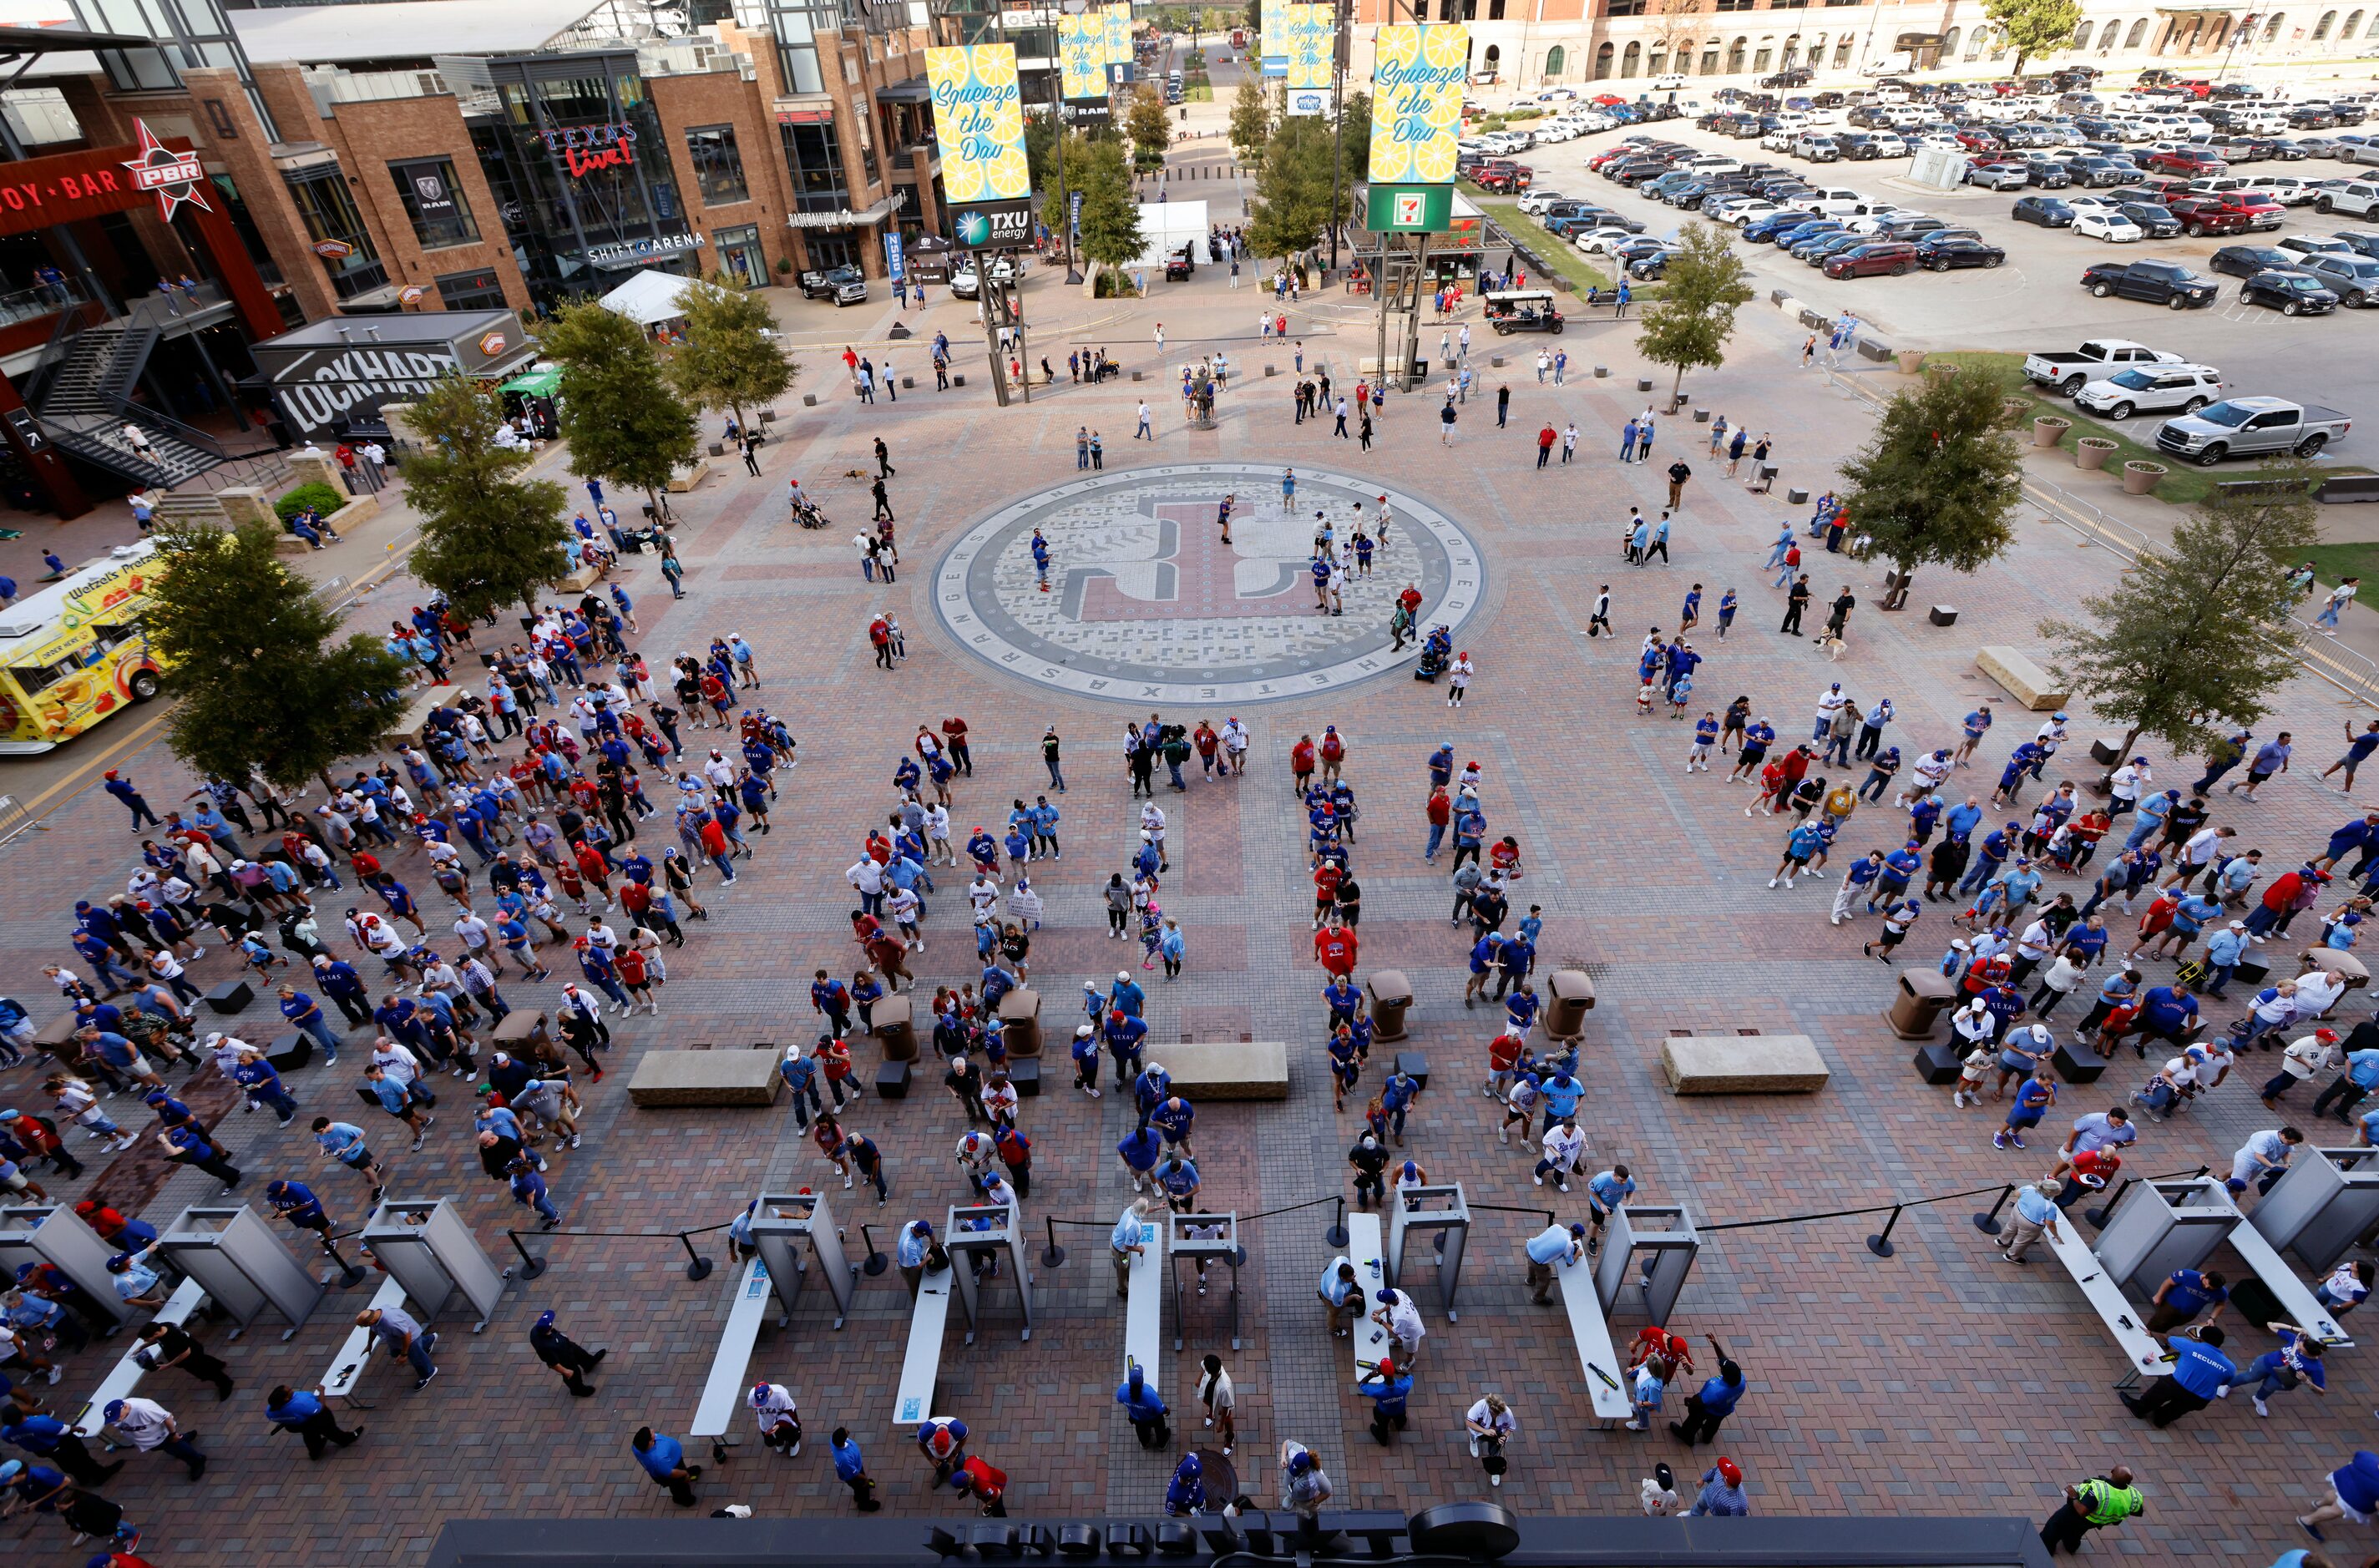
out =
column 530, row 1267
column 1882, row 1245
column 1989, row 1223
column 697, row 1266
column 349, row 1274
column 1336, row 1235
column 876, row 1263
column 2105, row 1212
column 1052, row 1255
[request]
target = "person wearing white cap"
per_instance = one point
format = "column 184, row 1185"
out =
column 150, row 1428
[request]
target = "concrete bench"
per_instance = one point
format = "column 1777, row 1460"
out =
column 2024, row 680
column 123, row 1379
column 1743, row 1064
column 354, row 1357
column 705, row 1078
column 408, row 725
column 1227, row 1070
column 686, row 476
column 1605, row 1384
column 2141, row 1349
column 912, row 1401
column 723, row 1396
column 578, row 582
column 1144, row 1310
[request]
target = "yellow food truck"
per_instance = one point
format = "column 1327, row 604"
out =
column 76, row 651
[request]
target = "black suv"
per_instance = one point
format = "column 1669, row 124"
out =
column 2290, row 294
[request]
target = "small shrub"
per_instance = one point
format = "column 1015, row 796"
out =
column 321, row 497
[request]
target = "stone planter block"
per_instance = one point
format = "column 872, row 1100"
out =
column 2092, row 452
column 2142, row 478
column 2049, row 430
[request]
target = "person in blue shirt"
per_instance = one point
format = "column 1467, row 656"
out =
column 296, row 1202
column 1140, row 1149
column 1178, row 1178
column 1976, row 723
column 1173, row 1117
column 306, row 1014
column 1520, row 1008
column 303, row 1412
column 2034, row 1096
column 1397, row 1099
column 1124, row 1034
column 1125, row 995
column 1186, row 1492
column 663, row 1458
column 46, row 1437
column 1145, row 1408
column 2298, row 1361
column 2167, row 1013
column 1606, row 1190
column 1707, row 1408
column 1721, row 1494
column 264, row 1087
column 2201, row 1374
column 851, row 1469
column 1389, row 1388
column 1891, row 883
column 2183, row 1295
column 1561, row 1095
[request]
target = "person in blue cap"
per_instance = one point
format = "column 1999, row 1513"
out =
column 1146, row 1408
column 565, row 1355
column 1186, row 1492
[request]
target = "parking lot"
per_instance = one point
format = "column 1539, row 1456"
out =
column 2035, row 300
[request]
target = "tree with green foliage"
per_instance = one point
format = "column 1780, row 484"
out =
column 1111, row 235
column 728, row 358
column 1941, row 479
column 250, row 661
column 1251, row 120
column 623, row 420
column 1149, row 126
column 1354, row 135
column 2034, row 27
column 1040, row 147
column 489, row 537
column 2196, row 637
column 1701, row 288
column 1290, row 209
column 1076, row 158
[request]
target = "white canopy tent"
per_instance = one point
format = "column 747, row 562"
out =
column 648, row 298
column 1167, row 226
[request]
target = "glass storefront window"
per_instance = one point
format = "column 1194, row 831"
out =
column 441, row 213
column 816, row 162
column 739, row 256
column 718, row 166
column 476, row 290
column 336, row 232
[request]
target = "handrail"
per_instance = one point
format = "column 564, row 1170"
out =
column 46, row 363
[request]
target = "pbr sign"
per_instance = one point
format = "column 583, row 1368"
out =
column 172, row 177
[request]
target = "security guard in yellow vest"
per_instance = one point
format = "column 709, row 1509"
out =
column 2092, row 1505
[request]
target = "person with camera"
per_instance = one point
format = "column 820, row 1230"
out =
column 1490, row 1423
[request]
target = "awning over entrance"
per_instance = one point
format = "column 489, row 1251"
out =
column 843, row 218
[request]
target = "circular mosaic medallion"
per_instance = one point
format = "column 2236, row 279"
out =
column 1144, row 601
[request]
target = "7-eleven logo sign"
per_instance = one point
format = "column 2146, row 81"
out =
column 1411, row 208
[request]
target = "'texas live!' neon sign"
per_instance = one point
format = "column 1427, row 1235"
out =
column 585, row 149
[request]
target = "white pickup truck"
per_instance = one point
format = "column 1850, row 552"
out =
column 2069, row 373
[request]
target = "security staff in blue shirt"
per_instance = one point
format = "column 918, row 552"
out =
column 1707, row 1408
column 46, row 1437
column 303, row 1413
column 851, row 1469
column 1145, row 1408
column 1186, row 1492
column 663, row 1458
column 1388, row 1387
column 2201, row 1374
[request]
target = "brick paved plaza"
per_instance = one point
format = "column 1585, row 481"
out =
column 1938, row 1382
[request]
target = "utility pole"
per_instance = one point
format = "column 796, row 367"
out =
column 1338, row 53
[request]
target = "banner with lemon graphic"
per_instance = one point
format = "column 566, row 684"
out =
column 1118, row 20
column 1082, row 55
column 979, row 120
column 1417, row 80
column 1308, row 35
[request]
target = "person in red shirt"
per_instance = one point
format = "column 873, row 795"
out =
column 833, row 1058
column 954, row 735
column 984, row 1483
column 635, row 976
column 1545, row 439
column 1209, row 744
column 1334, row 753
column 592, row 866
column 1504, row 856
column 1326, row 877
column 1301, row 760
column 2089, row 1171
column 879, row 631
column 1336, row 946
column 1502, row 1061
column 1410, row 599
column 1440, row 812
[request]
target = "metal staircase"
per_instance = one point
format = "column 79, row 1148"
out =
column 85, row 400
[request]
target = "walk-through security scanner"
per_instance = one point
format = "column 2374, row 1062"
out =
column 426, row 1246
column 783, row 1222
column 2297, row 1302
column 53, row 1234
column 1647, row 1252
column 243, row 1263
column 1204, row 1240
column 1416, row 1212
column 2163, row 1226
column 2328, row 1199
column 979, row 1234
